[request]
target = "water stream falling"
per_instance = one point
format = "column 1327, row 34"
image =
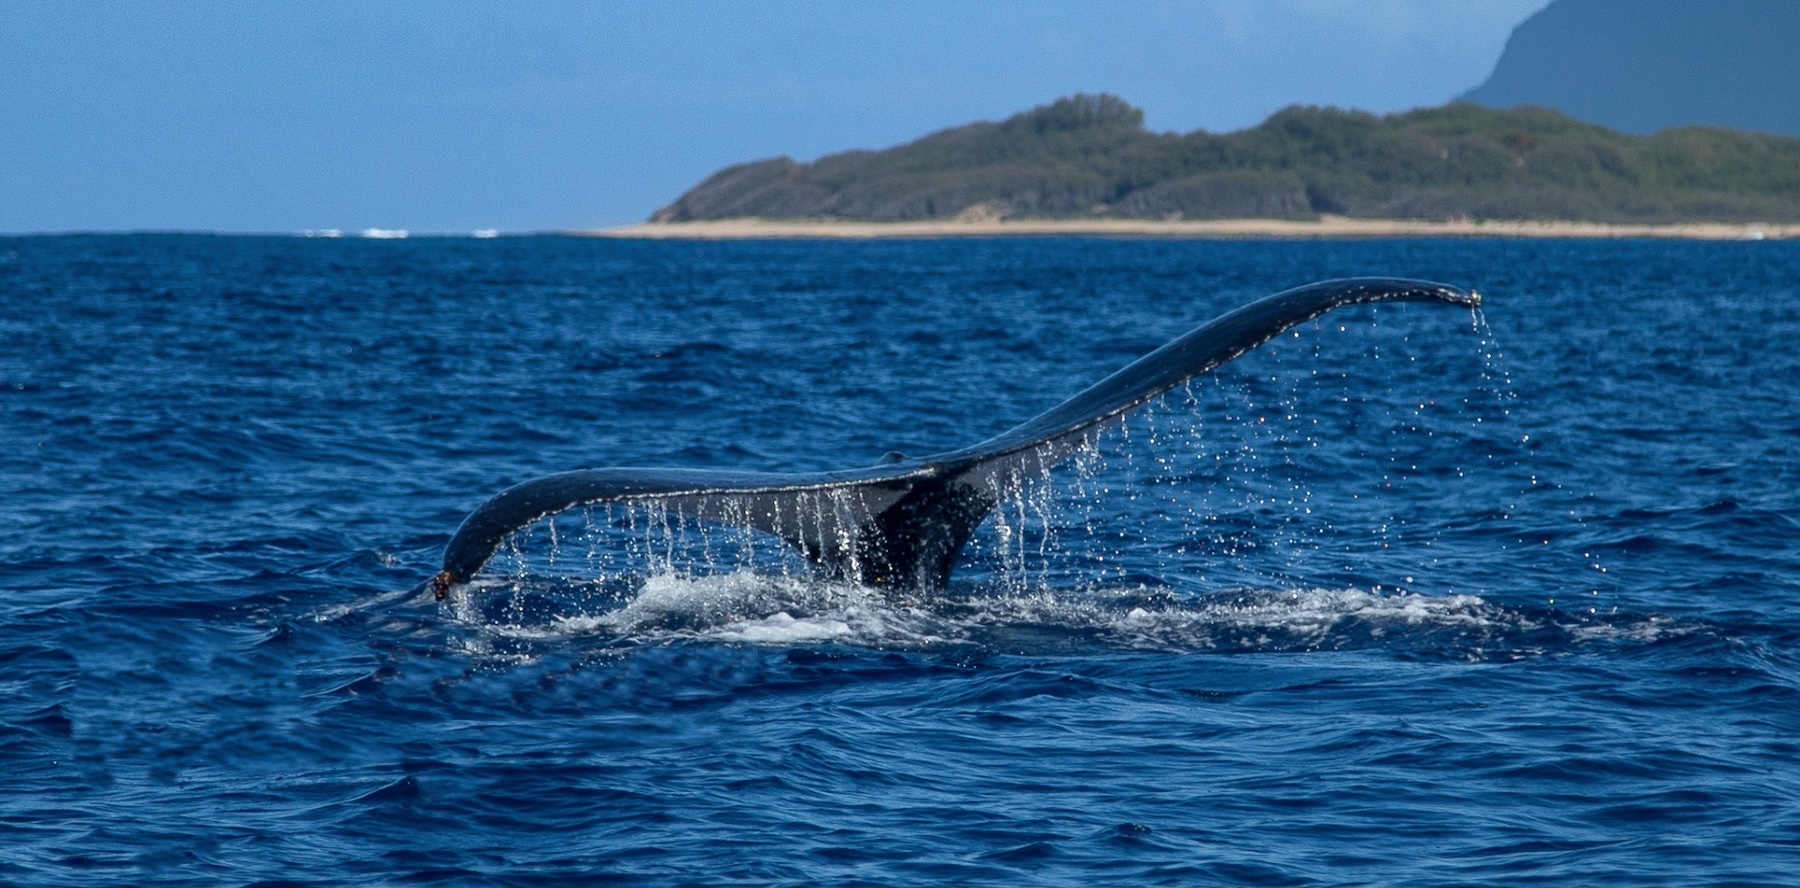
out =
column 1208, row 518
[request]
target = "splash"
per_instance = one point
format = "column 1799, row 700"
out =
column 756, row 609
column 1319, row 490
column 903, row 522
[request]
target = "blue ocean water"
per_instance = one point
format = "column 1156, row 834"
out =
column 1408, row 596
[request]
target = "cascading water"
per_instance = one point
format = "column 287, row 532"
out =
column 1197, row 523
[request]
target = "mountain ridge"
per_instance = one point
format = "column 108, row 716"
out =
column 1640, row 66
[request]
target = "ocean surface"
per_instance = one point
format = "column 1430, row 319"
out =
column 1408, row 596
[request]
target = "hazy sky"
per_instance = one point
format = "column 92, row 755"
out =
column 452, row 116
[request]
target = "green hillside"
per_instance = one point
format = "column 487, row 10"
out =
column 1090, row 156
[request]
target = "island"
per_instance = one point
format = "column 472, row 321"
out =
column 1586, row 127
column 1087, row 163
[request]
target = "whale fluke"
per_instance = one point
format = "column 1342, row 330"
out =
column 903, row 521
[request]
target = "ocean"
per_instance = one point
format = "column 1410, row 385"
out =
column 1411, row 595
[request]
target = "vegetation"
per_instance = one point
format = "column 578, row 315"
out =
column 1090, row 156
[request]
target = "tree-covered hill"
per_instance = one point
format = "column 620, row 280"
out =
column 1090, row 156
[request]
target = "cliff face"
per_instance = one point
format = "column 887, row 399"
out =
column 1645, row 65
column 1090, row 156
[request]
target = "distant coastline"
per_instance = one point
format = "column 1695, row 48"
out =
column 1089, row 157
column 1324, row 227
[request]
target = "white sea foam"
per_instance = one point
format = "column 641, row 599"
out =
column 1642, row 630
column 750, row 608
column 759, row 609
column 385, row 233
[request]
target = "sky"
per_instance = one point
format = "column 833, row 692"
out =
column 532, row 115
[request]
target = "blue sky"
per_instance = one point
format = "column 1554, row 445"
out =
column 454, row 116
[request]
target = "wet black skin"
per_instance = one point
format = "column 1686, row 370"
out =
column 902, row 522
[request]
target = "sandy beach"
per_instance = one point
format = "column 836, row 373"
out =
column 1325, row 227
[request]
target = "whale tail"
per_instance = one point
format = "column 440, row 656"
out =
column 903, row 522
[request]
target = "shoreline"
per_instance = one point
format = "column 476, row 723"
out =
column 1324, row 227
